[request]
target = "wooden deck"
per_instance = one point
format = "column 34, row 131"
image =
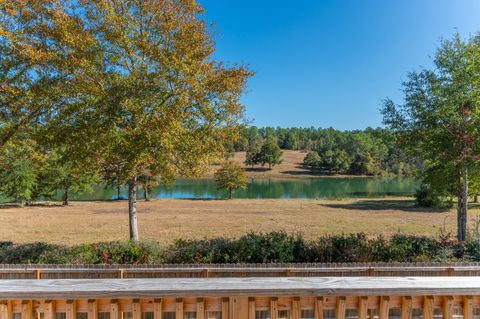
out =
column 243, row 298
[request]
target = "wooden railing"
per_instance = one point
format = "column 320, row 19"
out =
column 243, row 298
column 235, row 270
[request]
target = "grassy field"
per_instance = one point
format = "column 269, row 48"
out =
column 168, row 219
column 291, row 167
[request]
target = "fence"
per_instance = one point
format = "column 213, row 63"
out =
column 236, row 270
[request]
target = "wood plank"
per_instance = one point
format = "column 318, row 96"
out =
column 296, row 308
column 362, row 307
column 200, row 308
column 428, row 307
column 114, row 310
column 447, row 307
column 27, row 309
column 137, row 309
column 259, row 286
column 407, row 307
column 4, row 310
column 50, row 310
column 251, row 308
column 92, row 309
column 157, row 308
column 274, row 308
column 179, row 308
column 319, row 307
column 225, row 308
column 384, row 307
column 468, row 307
column 340, row 308
column 70, row 310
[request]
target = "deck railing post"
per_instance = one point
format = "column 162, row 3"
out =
column 179, row 308
column 447, row 307
column 384, row 307
column 340, row 308
column 92, row 311
column 428, row 307
column 157, row 308
column 274, row 308
column 136, row 309
column 251, row 308
column 407, row 307
column 363, row 307
column 200, row 308
column 319, row 307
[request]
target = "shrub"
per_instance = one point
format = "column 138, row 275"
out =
column 273, row 247
column 425, row 196
column 24, row 253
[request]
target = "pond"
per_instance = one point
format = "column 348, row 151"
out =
column 273, row 188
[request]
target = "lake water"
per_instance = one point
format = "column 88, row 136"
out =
column 274, row 188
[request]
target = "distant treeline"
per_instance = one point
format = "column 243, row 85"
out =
column 359, row 152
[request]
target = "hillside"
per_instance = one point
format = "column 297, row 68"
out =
column 291, row 167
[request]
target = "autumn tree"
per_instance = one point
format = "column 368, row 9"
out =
column 46, row 59
column 230, row 176
column 439, row 121
column 165, row 104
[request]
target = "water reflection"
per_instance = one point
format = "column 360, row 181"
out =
column 274, row 188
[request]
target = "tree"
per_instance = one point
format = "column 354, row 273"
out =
column 64, row 171
column 148, row 181
column 252, row 156
column 163, row 102
column 18, row 170
column 46, row 58
column 270, row 154
column 334, row 160
column 231, row 177
column 312, row 160
column 440, row 120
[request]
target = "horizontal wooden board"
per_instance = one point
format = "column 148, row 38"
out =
column 259, row 286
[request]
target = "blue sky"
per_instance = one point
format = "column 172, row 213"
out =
column 326, row 63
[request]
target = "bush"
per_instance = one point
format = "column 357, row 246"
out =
column 24, row 253
column 273, row 247
column 425, row 196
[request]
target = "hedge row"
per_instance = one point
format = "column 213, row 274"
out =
column 274, row 247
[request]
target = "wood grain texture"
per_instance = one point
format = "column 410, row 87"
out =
column 362, row 307
column 260, row 286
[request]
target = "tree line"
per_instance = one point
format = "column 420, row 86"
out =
column 359, row 152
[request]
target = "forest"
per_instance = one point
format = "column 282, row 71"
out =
column 373, row 151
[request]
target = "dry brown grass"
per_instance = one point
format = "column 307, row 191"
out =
column 168, row 219
column 291, row 167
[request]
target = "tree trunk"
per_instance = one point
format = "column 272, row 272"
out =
column 118, row 191
column 145, row 194
column 462, row 207
column 65, row 197
column 475, row 198
column 132, row 208
column 230, row 193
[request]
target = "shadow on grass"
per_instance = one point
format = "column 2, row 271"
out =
column 386, row 204
column 36, row 204
column 257, row 169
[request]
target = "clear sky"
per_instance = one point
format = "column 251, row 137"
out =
column 327, row 63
